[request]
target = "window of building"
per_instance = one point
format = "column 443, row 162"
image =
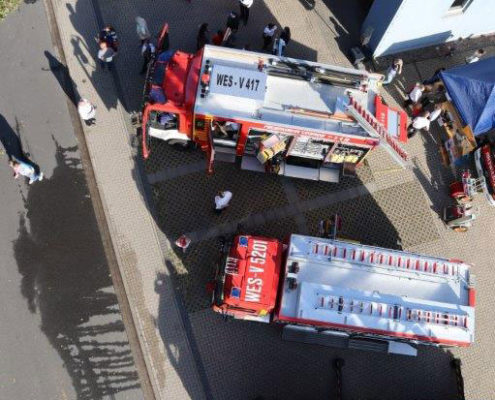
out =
column 459, row 6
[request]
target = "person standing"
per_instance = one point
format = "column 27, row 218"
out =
column 281, row 42
column 202, row 37
column 218, row 38
column 183, row 242
column 109, row 36
column 394, row 70
column 142, row 30
column 268, row 33
column 233, row 21
column 419, row 123
column 25, row 169
column 245, row 5
column 87, row 112
column 475, row 57
column 415, row 95
column 222, row 200
column 106, row 55
column 147, row 51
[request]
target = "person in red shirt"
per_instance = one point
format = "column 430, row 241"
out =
column 218, row 38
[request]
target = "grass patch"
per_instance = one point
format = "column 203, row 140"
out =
column 7, row 6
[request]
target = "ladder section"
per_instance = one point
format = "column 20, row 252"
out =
column 395, row 312
column 383, row 258
column 376, row 129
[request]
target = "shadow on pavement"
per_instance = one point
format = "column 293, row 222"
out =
column 66, row 280
column 94, row 74
column 12, row 144
column 347, row 19
column 61, row 73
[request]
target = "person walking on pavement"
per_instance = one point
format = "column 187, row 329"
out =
column 106, row 55
column 202, row 37
column 87, row 112
column 25, row 169
column 222, row 200
column 147, row 51
column 142, row 30
column 268, row 33
column 245, row 5
column 394, row 70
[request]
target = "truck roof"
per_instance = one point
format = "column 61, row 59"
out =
column 371, row 289
column 284, row 91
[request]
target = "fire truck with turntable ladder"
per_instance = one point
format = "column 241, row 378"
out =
column 337, row 293
column 270, row 114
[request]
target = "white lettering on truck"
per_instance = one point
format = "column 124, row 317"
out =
column 254, row 285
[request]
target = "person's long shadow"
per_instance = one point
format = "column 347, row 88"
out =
column 12, row 144
column 65, row 279
column 109, row 96
column 61, row 73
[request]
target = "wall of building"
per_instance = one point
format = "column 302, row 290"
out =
column 379, row 18
column 420, row 23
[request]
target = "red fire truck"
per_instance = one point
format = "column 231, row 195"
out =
column 328, row 290
column 272, row 114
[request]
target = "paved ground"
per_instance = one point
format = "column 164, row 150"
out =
column 192, row 352
column 61, row 332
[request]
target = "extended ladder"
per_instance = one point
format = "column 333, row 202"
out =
column 383, row 258
column 376, row 129
column 394, row 312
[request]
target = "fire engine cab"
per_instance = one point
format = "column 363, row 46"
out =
column 334, row 292
column 270, row 114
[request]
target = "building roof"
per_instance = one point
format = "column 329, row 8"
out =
column 285, row 91
column 367, row 288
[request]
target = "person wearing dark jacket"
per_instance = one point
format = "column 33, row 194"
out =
column 245, row 5
column 202, row 37
column 233, row 21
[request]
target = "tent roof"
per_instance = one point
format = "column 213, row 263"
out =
column 472, row 89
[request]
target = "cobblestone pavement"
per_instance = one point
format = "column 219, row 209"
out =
column 382, row 206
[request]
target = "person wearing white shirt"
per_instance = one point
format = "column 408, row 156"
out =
column 245, row 5
column 415, row 95
column 268, row 34
column 435, row 113
column 87, row 112
column 419, row 123
column 222, row 200
column 475, row 57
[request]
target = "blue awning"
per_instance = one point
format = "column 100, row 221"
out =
column 472, row 89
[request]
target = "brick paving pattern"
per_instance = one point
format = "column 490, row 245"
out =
column 382, row 206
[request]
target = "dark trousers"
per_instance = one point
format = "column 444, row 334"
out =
column 267, row 41
column 144, row 68
column 90, row 121
column 108, row 64
column 244, row 13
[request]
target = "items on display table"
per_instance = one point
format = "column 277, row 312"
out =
column 270, row 147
